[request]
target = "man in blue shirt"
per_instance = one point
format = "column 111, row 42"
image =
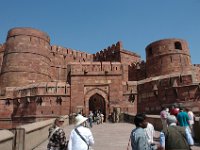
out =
column 138, row 136
column 183, row 118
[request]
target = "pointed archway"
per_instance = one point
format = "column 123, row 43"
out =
column 97, row 98
column 97, row 103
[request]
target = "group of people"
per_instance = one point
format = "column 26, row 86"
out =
column 80, row 138
column 185, row 117
column 177, row 132
column 97, row 117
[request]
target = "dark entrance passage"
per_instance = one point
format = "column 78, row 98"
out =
column 97, row 103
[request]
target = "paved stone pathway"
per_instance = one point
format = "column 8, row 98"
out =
column 108, row 136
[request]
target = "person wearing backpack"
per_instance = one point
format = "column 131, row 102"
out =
column 175, row 137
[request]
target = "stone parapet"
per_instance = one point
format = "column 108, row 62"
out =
column 27, row 137
column 6, row 140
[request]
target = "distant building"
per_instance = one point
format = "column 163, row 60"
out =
column 40, row 81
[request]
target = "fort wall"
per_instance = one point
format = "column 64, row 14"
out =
column 60, row 57
column 128, row 57
column 137, row 71
column 153, row 93
column 112, row 53
column 39, row 80
column 95, row 68
column 130, row 96
column 116, row 53
column 35, row 102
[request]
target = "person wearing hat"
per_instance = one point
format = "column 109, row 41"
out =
column 81, row 137
column 57, row 139
column 175, row 137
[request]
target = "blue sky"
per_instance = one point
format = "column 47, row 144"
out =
column 92, row 25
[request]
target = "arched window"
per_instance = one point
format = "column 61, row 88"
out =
column 178, row 45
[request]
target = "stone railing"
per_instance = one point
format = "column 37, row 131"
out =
column 156, row 121
column 6, row 140
column 26, row 137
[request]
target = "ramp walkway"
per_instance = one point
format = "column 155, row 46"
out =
column 108, row 136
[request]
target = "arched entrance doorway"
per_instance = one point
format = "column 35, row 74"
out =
column 97, row 103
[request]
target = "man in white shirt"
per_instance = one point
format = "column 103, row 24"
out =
column 191, row 120
column 81, row 137
column 149, row 132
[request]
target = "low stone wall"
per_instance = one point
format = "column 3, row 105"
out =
column 26, row 137
column 156, row 121
column 36, row 133
column 6, row 140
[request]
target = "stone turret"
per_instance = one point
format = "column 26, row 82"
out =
column 167, row 56
column 26, row 58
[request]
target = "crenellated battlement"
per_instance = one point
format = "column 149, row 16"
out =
column 111, row 53
column 88, row 68
column 116, row 53
column 77, row 56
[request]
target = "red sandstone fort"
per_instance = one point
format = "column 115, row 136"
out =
column 40, row 81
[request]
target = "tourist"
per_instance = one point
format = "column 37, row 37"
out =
column 175, row 137
column 174, row 110
column 57, row 139
column 183, row 118
column 81, row 137
column 102, row 117
column 163, row 116
column 98, row 118
column 191, row 120
column 139, row 140
column 149, row 130
column 90, row 118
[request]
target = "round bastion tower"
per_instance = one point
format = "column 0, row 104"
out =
column 167, row 56
column 26, row 58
